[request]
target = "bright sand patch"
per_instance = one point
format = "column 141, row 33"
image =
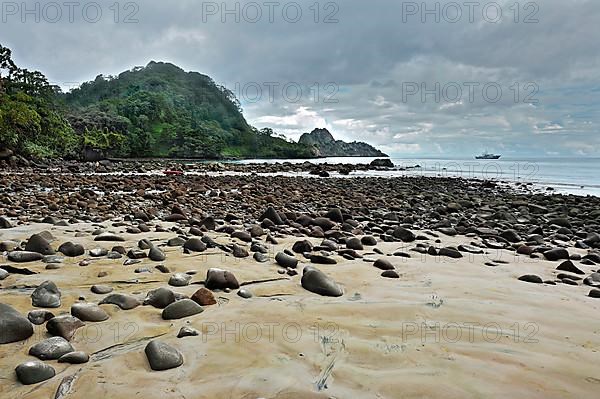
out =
column 447, row 328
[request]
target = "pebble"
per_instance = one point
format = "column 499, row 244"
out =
column 46, row 295
column 64, row 326
column 101, row 289
column 34, row 372
column 530, row 278
column 74, row 358
column 89, row 312
column 286, row 260
column 125, row 302
column 217, row 279
column 187, row 332
column 162, row 356
column 15, row 327
column 180, row 280
column 314, row 280
column 51, row 348
column 204, row 297
column 71, row 250
column 160, row 298
column 39, row 317
column 181, row 309
column 245, row 294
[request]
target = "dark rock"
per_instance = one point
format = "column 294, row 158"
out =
column 88, row 312
column 156, row 254
column 162, row 356
column 530, row 278
column 109, row 237
column 383, row 264
column 74, row 358
column 64, row 326
column 322, row 260
column 187, row 332
column 556, row 254
column 382, row 163
column 180, row 280
column 51, row 348
column 71, row 250
column 450, row 252
column 594, row 293
column 181, row 309
column 101, row 289
column 369, row 241
column 39, row 244
column 244, row 294
column 239, row 251
column 46, row 295
column 285, row 260
column 390, row 274
column 125, row 302
column 39, row 317
column 260, row 257
column 404, row 234
column 301, row 247
column 24, row 256
column 13, row 326
column 33, row 372
column 318, row 282
column 568, row 266
column 354, row 243
column 272, row 215
column 217, row 279
column 160, row 298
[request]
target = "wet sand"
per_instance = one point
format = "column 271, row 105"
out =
column 451, row 328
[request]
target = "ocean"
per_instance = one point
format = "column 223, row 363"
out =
column 579, row 176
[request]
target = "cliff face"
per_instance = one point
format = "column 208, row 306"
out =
column 326, row 146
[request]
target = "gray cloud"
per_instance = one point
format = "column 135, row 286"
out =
column 372, row 55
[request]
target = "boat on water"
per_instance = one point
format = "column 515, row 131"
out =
column 487, row 155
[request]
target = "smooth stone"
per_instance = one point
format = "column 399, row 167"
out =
column 89, row 312
column 530, row 278
column 260, row 257
column 204, row 297
column 74, row 358
column 64, row 326
column 594, row 293
column 33, row 372
column 390, row 274
column 187, row 332
column 101, row 289
column 180, row 280
column 124, row 301
column 354, row 243
column 286, row 260
column 14, row 327
column 220, row 279
column 160, row 298
column 3, row 274
column 301, row 247
column 404, row 234
column 244, row 294
column 156, row 255
column 46, row 295
column 39, row 244
column 383, row 264
column 369, row 241
column 24, row 256
column 39, row 317
column 318, row 282
column 71, row 250
column 568, row 266
column 162, row 356
column 51, row 348
column 109, row 237
column 181, row 309
column 556, row 254
column 195, row 244
column 322, row 260
column 450, row 252
column 239, row 251
column 100, row 252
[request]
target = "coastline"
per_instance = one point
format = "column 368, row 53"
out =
column 456, row 321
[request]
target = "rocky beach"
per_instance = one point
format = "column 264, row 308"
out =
column 225, row 280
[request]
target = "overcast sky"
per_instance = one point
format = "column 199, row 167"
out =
column 448, row 79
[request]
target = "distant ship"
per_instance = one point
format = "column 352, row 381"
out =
column 486, row 155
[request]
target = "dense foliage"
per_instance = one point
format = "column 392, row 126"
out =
column 153, row 111
column 31, row 123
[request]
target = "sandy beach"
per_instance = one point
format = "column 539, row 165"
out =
column 464, row 327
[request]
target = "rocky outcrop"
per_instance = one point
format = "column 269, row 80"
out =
column 326, row 146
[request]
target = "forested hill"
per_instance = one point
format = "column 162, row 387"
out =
column 162, row 111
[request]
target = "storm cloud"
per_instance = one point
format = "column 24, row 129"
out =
column 413, row 78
